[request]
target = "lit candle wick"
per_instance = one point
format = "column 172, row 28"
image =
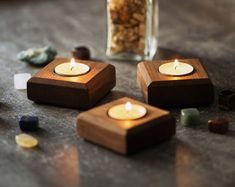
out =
column 72, row 64
column 176, row 64
column 128, row 106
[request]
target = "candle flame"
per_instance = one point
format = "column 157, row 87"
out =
column 176, row 64
column 128, row 106
column 72, row 64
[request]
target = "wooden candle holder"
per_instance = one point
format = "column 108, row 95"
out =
column 125, row 136
column 80, row 92
column 169, row 91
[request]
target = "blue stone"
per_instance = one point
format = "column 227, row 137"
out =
column 29, row 123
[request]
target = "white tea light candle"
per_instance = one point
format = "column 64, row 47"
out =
column 20, row 81
column 72, row 69
column 176, row 68
column 127, row 111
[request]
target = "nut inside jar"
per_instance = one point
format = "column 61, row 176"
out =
column 127, row 26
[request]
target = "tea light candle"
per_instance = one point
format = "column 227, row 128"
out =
column 72, row 69
column 127, row 111
column 176, row 68
column 20, row 81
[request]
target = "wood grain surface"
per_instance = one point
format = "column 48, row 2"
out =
column 128, row 136
column 160, row 90
column 80, row 92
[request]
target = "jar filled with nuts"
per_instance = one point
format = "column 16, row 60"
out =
column 132, row 29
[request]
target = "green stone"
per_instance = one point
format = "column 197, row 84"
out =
column 190, row 117
column 38, row 56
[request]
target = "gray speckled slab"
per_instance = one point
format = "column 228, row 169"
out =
column 194, row 158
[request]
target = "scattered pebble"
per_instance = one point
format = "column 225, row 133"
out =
column 20, row 81
column 219, row 125
column 189, row 117
column 29, row 123
column 26, row 141
column 81, row 52
column 227, row 100
column 38, row 56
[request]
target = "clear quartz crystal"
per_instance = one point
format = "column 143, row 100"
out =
column 132, row 29
column 20, row 81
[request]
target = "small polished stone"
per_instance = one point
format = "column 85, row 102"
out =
column 29, row 123
column 219, row 125
column 26, row 141
column 81, row 52
column 20, row 80
column 190, row 117
column 227, row 100
column 38, row 56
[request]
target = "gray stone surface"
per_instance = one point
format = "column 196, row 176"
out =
column 194, row 158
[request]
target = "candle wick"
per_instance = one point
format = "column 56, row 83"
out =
column 128, row 107
column 72, row 64
column 176, row 64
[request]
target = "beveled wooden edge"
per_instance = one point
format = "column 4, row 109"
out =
column 144, row 74
column 46, row 81
column 108, row 68
column 48, row 76
column 96, row 127
column 115, row 142
column 116, row 125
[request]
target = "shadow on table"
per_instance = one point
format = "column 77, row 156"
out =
column 176, row 159
column 4, row 107
column 42, row 132
column 4, row 125
column 168, row 54
column 230, row 134
column 116, row 94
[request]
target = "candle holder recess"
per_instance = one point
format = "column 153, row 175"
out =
column 162, row 90
column 126, row 136
column 75, row 91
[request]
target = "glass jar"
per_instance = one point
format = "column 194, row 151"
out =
column 132, row 29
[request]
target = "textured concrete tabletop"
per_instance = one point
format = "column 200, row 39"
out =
column 193, row 158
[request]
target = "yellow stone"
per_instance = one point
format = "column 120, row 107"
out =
column 26, row 141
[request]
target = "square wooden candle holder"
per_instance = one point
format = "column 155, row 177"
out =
column 80, row 92
column 125, row 136
column 172, row 91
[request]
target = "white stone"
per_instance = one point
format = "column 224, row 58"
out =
column 20, row 81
